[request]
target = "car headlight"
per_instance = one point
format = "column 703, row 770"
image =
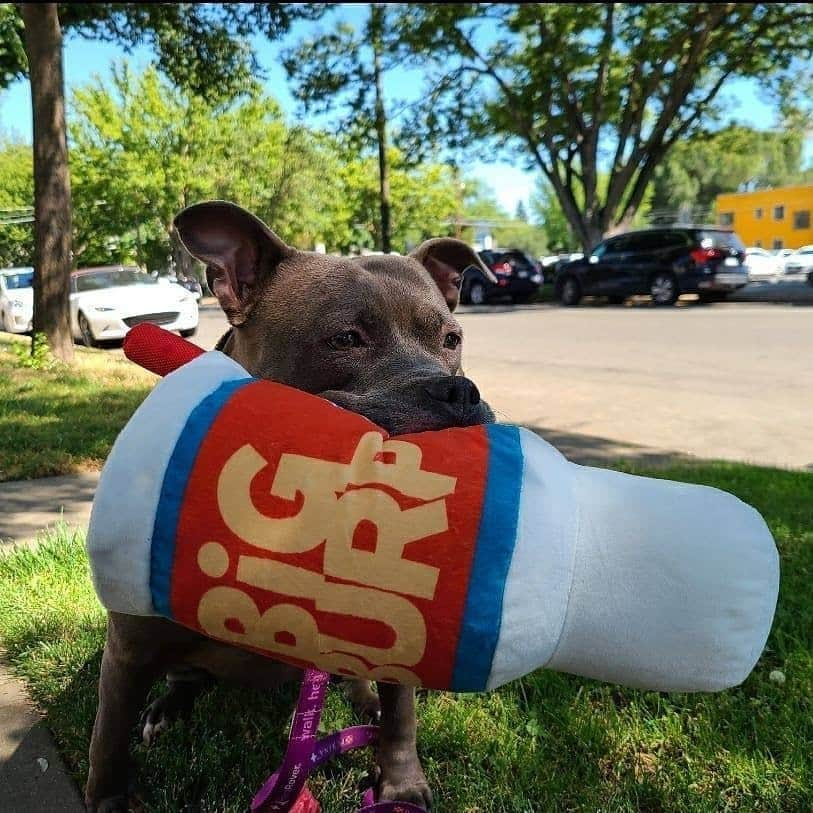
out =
column 102, row 308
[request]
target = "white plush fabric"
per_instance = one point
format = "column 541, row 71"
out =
column 541, row 571
column 673, row 585
column 123, row 514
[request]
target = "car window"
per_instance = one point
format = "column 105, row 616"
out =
column 115, row 278
column 710, row 238
column 516, row 258
column 22, row 279
column 603, row 248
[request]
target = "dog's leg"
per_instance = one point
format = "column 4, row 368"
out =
column 184, row 686
column 123, row 688
column 363, row 699
column 402, row 777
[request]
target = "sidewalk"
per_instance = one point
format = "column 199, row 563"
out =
column 33, row 778
column 28, row 506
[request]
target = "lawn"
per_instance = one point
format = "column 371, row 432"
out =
column 549, row 742
column 62, row 419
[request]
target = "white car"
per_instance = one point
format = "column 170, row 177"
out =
column 107, row 302
column 782, row 255
column 800, row 262
column 761, row 263
column 16, row 299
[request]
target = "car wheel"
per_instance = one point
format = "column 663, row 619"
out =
column 477, row 293
column 4, row 323
column 616, row 300
column 663, row 289
column 189, row 332
column 84, row 329
column 570, row 293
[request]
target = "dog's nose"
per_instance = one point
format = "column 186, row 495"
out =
column 453, row 389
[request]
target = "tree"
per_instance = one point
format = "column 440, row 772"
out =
column 142, row 149
column 578, row 88
column 345, row 69
column 559, row 231
column 736, row 158
column 201, row 46
column 16, row 205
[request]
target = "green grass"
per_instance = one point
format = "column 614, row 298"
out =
column 63, row 419
column 549, row 742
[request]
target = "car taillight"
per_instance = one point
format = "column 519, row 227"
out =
column 502, row 268
column 703, row 255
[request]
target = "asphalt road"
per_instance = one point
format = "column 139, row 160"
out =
column 729, row 381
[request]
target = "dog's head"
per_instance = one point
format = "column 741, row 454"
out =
column 373, row 334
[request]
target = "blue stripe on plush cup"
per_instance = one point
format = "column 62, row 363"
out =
column 496, row 537
column 173, row 490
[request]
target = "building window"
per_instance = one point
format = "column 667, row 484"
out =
column 726, row 218
column 778, row 244
column 758, row 213
column 801, row 220
column 779, row 213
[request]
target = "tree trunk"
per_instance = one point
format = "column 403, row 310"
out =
column 376, row 31
column 52, row 188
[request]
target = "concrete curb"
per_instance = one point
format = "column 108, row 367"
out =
column 33, row 777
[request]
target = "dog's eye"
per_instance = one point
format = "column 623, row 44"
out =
column 346, row 340
column 452, row 341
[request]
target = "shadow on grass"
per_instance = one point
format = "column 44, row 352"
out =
column 52, row 423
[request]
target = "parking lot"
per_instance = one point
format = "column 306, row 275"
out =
column 727, row 381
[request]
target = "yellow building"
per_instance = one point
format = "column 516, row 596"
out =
column 770, row 218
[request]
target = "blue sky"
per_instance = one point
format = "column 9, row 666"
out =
column 84, row 58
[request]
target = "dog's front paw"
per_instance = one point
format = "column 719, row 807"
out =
column 404, row 782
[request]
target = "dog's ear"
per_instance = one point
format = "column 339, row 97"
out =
column 447, row 259
column 237, row 248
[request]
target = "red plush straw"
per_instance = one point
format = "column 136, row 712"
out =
column 158, row 350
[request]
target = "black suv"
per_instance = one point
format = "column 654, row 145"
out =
column 662, row 262
column 518, row 276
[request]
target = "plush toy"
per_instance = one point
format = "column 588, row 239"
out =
column 458, row 559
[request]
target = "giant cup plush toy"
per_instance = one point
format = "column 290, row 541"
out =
column 458, row 559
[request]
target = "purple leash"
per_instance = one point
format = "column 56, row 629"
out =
column 305, row 753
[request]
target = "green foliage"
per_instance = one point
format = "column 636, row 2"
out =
column 37, row 355
column 16, row 197
column 736, row 158
column 13, row 63
column 201, row 46
column 141, row 150
column 572, row 87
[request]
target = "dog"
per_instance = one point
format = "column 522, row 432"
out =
column 372, row 334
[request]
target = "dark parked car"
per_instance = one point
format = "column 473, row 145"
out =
column 662, row 262
column 518, row 276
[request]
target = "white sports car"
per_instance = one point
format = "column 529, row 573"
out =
column 16, row 299
column 106, row 302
